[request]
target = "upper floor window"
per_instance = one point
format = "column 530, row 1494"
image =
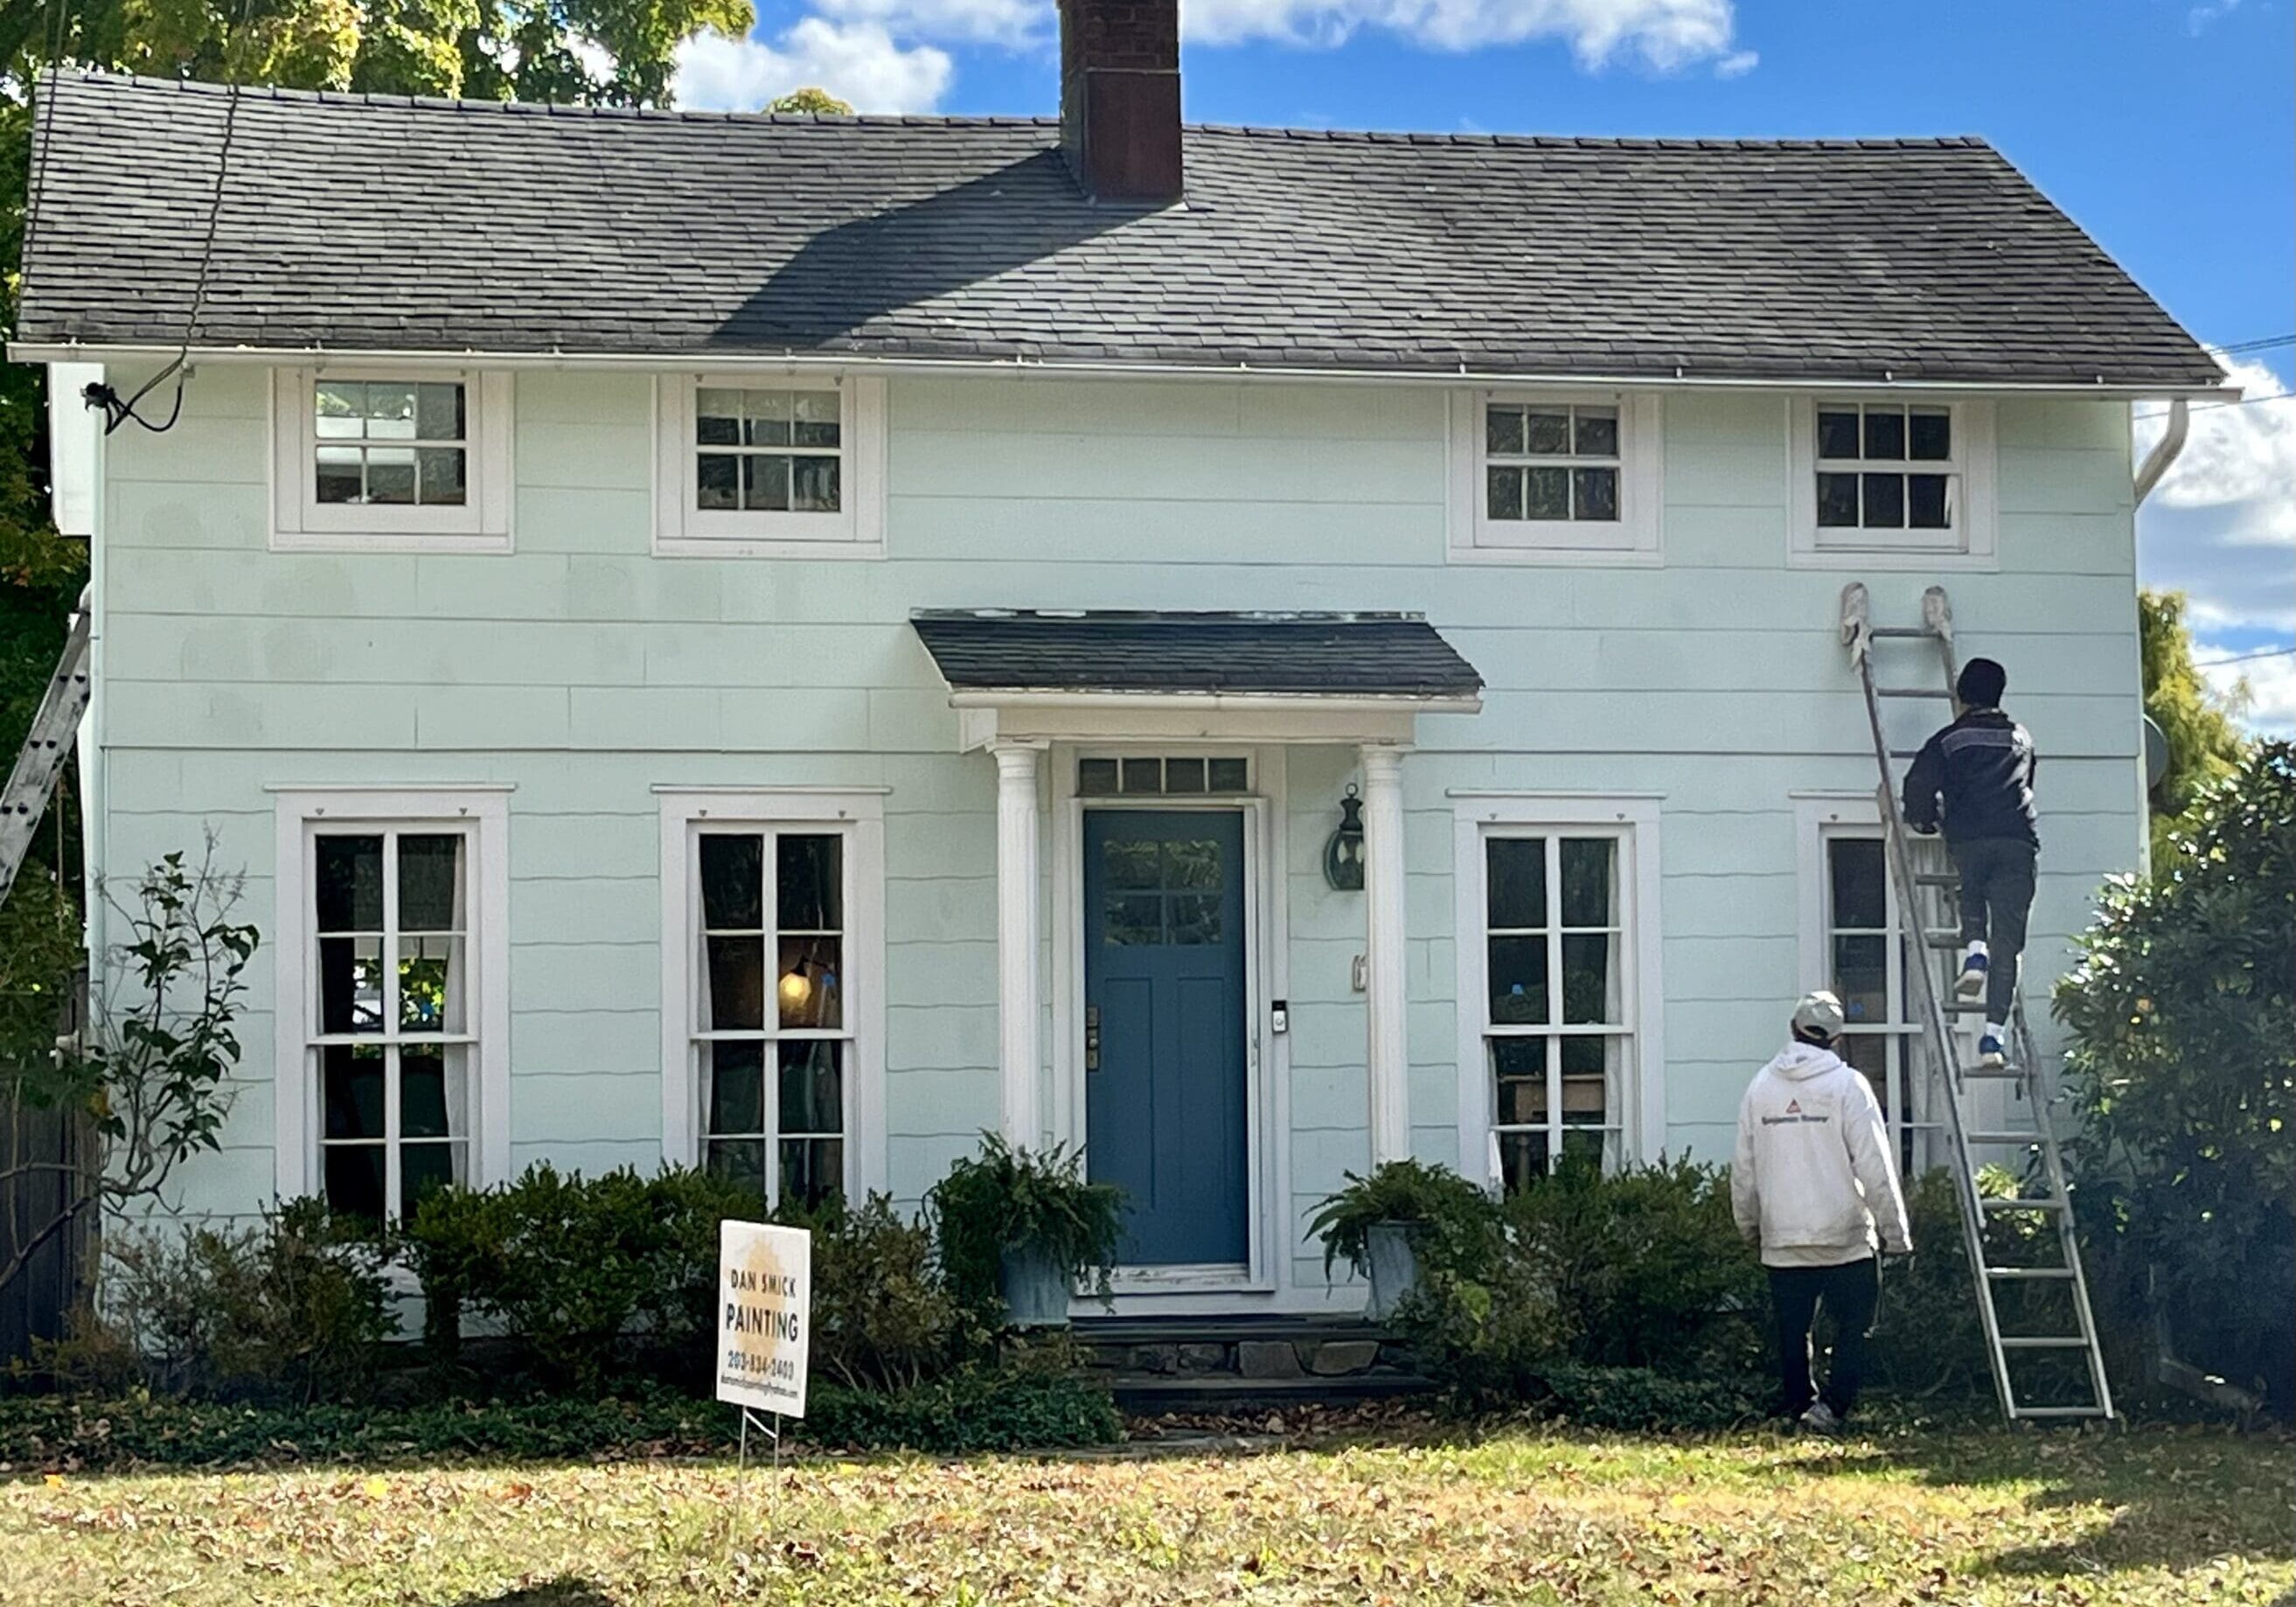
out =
column 1556, row 477
column 1892, row 476
column 767, row 465
column 392, row 461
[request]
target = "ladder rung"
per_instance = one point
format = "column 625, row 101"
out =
column 1900, row 631
column 1962, row 1006
column 1944, row 939
column 2054, row 1202
column 2043, row 1341
column 1995, row 1073
column 2002, row 1137
column 1937, row 878
column 1911, row 692
column 2058, row 1412
column 2024, row 1273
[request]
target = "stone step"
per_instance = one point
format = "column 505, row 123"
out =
column 1265, row 1349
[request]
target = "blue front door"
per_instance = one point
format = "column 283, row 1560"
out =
column 1164, row 1007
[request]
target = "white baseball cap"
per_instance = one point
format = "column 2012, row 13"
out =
column 1819, row 1013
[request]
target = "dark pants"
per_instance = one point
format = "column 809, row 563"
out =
column 1997, row 896
column 1850, row 1293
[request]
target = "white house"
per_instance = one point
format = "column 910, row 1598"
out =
column 784, row 644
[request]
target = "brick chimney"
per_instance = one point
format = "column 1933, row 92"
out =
column 1121, row 97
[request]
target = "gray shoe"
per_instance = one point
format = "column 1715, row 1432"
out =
column 1820, row 1420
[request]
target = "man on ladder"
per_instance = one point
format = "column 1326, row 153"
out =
column 1980, row 768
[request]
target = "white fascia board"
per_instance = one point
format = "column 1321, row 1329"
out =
column 1219, row 702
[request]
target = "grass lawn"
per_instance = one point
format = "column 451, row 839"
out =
column 1519, row 1515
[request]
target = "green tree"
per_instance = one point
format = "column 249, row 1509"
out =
column 2204, row 740
column 814, row 102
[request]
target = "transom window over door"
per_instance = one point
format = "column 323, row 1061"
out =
column 770, row 467
column 1557, row 1036
column 394, row 1040
column 772, row 1040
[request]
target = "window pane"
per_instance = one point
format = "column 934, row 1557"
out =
column 351, row 1089
column 1596, row 431
column 353, row 1185
column 1505, row 495
column 813, row 1088
column 818, row 413
column 733, row 892
column 809, row 882
column 1130, row 864
column 1926, row 506
column 734, row 1088
column 431, row 984
column 438, row 474
column 1837, row 501
column 1503, row 432
column 1097, row 777
column 1594, row 494
column 1590, row 980
column 430, row 882
column 1929, row 434
column 1194, row 864
column 433, row 1093
column 1518, row 979
column 1184, row 775
column 350, row 984
column 1589, row 1057
column 1837, row 435
column 390, row 475
column 717, row 417
column 1144, row 776
column 717, row 481
column 1130, row 920
column 1584, row 1099
column 1861, row 978
column 1589, row 881
column 340, row 474
column 1523, row 1159
column 741, row 1162
column 1885, row 502
column 734, row 996
column 1229, row 775
column 349, row 884
column 389, row 411
column 766, row 482
column 439, row 412
column 1885, row 433
column 1857, row 872
column 1546, row 494
column 1516, row 870
column 767, row 417
column 424, row 1168
column 1194, row 918
column 1547, row 432
column 813, row 1169
column 1519, row 1080
column 812, row 485
column 341, row 409
column 807, row 986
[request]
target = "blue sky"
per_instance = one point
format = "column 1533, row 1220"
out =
column 2166, row 128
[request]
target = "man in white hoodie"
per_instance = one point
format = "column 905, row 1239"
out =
column 1816, row 1186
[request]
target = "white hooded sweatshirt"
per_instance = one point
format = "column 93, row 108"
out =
column 1814, row 1175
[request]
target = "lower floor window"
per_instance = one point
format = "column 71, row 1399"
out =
column 1866, row 953
column 394, row 1126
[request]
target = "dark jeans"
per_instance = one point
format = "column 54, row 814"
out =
column 1997, row 896
column 1850, row 1293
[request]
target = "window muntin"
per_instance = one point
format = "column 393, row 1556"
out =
column 1551, row 462
column 768, row 451
column 392, row 1041
column 1886, row 466
column 1866, row 953
column 1557, row 1038
column 391, row 442
column 1178, row 775
column 773, row 1042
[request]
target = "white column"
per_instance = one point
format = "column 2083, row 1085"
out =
column 1390, row 1058
column 1017, row 942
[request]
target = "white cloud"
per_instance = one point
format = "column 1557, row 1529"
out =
column 857, row 63
column 1666, row 35
column 1737, row 64
column 2267, row 687
column 1012, row 23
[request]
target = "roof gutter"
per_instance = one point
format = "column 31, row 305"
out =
column 1224, row 702
column 794, row 362
column 2165, row 451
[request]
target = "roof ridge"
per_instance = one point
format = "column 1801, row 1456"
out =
column 1262, row 131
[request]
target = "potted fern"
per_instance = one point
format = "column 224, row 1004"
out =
column 1020, row 1230
column 1403, row 1216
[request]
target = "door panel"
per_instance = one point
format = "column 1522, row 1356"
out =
column 1165, row 1105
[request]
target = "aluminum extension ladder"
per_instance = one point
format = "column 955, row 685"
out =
column 41, row 759
column 1928, row 899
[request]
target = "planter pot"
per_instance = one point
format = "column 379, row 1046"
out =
column 1036, row 1290
column 1394, row 1268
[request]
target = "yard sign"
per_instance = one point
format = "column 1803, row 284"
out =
column 765, row 1312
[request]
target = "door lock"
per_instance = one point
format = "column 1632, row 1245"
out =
column 1092, row 1038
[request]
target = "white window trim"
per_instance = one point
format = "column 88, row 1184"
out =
column 299, row 521
column 1634, row 819
column 859, row 816
column 1969, row 544
column 856, row 530
column 297, row 812
column 1633, row 539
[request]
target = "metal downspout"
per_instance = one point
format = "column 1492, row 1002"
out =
column 2157, row 462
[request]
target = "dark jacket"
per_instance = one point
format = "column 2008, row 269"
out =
column 1981, row 767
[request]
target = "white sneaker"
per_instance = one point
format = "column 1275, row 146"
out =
column 1971, row 983
column 1820, row 1419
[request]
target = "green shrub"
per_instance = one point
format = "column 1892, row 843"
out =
column 1640, row 1399
column 973, row 1411
column 1454, row 1225
column 883, row 1317
column 1007, row 1199
column 1487, row 1337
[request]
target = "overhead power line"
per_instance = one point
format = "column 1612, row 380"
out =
column 2243, row 658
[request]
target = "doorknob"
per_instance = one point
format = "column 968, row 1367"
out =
column 1092, row 1038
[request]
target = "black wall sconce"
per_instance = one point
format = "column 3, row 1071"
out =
column 1343, row 855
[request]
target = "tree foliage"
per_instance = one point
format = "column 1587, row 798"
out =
column 2204, row 739
column 812, row 102
column 2183, row 1016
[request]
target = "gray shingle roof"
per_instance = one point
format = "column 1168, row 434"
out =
column 1261, row 654
column 381, row 224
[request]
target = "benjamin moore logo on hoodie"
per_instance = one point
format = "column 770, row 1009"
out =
column 1793, row 1115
